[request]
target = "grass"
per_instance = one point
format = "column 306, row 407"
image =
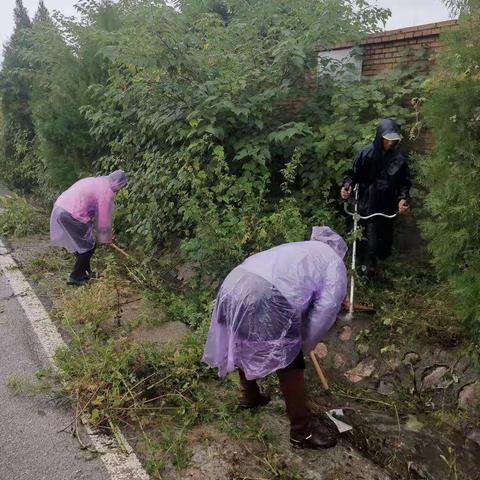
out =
column 43, row 383
column 20, row 384
column 412, row 305
column 19, row 219
column 55, row 261
column 166, row 393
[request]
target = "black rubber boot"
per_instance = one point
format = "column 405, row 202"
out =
column 89, row 275
column 82, row 270
column 251, row 395
column 77, row 282
column 319, row 438
column 303, row 432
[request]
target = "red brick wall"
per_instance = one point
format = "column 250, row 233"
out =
column 383, row 51
column 386, row 50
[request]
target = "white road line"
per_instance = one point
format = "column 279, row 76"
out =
column 118, row 465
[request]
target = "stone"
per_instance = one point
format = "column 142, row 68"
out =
column 346, row 333
column 186, row 273
column 474, row 435
column 462, row 365
column 338, row 361
column 385, row 388
column 362, row 371
column 393, row 363
column 321, row 350
column 434, row 379
column 411, row 358
column 469, row 396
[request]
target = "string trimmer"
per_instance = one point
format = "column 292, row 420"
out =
column 352, row 307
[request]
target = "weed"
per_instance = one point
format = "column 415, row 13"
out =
column 43, row 383
column 267, row 463
column 54, row 261
column 191, row 307
column 90, row 306
column 20, row 384
column 19, row 219
column 450, row 460
column 411, row 304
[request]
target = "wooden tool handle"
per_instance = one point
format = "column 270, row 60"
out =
column 320, row 374
column 119, row 250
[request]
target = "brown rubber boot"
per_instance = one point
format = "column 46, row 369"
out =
column 303, row 432
column 251, row 395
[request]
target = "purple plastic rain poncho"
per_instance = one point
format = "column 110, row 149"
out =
column 89, row 199
column 276, row 303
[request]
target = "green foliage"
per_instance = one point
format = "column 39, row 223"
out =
column 191, row 102
column 55, row 261
column 113, row 380
column 193, row 110
column 412, row 305
column 65, row 66
column 20, row 384
column 19, row 219
column 451, row 173
column 457, row 6
column 42, row 14
column 192, row 308
column 15, row 95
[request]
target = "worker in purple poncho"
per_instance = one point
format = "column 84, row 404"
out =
column 270, row 309
column 88, row 201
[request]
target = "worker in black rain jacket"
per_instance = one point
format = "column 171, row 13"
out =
column 382, row 175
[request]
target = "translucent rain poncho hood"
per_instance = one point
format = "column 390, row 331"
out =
column 276, row 303
column 88, row 201
column 331, row 238
column 118, row 180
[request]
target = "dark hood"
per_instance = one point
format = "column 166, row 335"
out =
column 386, row 126
column 379, row 159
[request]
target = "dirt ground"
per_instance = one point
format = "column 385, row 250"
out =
column 409, row 408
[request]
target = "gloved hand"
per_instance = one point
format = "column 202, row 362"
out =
column 402, row 206
column 345, row 192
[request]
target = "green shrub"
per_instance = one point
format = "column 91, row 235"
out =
column 452, row 172
column 19, row 219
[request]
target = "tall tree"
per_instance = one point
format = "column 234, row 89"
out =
column 42, row 14
column 452, row 172
column 15, row 90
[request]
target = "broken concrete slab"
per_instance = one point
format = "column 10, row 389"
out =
column 338, row 361
column 434, row 378
column 469, row 396
column 386, row 388
column 346, row 333
column 362, row 371
column 321, row 350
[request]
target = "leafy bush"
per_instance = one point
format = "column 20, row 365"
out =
column 19, row 219
column 192, row 103
column 452, row 173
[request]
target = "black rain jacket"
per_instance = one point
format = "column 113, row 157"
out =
column 383, row 178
